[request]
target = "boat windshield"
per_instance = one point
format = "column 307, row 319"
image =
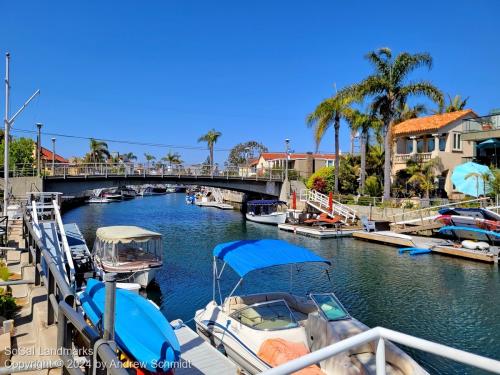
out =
column 133, row 251
column 267, row 316
column 330, row 306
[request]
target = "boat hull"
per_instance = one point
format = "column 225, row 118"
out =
column 142, row 277
column 273, row 219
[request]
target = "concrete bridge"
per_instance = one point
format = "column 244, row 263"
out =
column 78, row 179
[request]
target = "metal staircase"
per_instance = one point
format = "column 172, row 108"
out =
column 217, row 194
column 321, row 202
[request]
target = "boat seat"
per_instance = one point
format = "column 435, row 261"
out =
column 298, row 304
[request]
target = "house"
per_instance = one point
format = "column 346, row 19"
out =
column 47, row 156
column 484, row 132
column 305, row 164
column 424, row 138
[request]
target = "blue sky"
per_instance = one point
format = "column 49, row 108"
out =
column 168, row 71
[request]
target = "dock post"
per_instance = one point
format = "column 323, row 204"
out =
column 109, row 306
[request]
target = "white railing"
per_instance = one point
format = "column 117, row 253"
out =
column 381, row 334
column 419, row 157
column 64, row 242
column 67, row 170
column 217, row 194
column 321, row 202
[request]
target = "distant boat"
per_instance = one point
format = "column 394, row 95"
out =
column 134, row 253
column 190, row 199
column 111, row 195
column 158, row 190
column 265, row 212
column 141, row 331
column 95, row 199
column 127, row 193
column 146, row 191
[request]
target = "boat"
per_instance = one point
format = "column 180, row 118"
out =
column 111, row 195
column 468, row 233
column 146, row 191
column 469, row 221
column 190, row 199
column 126, row 193
column 134, row 253
column 158, row 190
column 95, row 199
column 142, row 332
column 480, row 213
column 265, row 211
column 260, row 331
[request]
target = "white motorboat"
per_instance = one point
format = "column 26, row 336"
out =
column 99, row 200
column 134, row 253
column 260, row 331
column 266, row 212
column 146, row 191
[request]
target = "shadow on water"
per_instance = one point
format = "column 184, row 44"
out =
column 442, row 299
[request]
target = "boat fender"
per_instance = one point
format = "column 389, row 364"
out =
column 475, row 245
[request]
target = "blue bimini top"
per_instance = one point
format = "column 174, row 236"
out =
column 249, row 255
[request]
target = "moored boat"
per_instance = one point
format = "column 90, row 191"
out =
column 126, row 193
column 468, row 233
column 266, row 211
column 147, row 338
column 264, row 330
column 95, row 199
column 480, row 213
column 469, row 221
column 134, row 253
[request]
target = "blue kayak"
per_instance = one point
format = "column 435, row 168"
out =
column 141, row 330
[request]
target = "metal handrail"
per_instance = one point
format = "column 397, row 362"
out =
column 337, row 207
column 381, row 334
column 64, row 241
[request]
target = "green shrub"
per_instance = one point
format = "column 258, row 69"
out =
column 8, row 306
column 4, row 272
column 373, row 187
column 326, row 174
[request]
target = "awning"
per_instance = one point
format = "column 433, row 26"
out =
column 250, row 255
column 125, row 234
column 489, row 143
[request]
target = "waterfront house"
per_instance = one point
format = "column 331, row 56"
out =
column 484, row 132
column 424, row 138
column 305, row 164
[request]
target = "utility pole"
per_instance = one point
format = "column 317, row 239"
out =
column 287, row 150
column 38, row 148
column 53, row 155
column 8, row 123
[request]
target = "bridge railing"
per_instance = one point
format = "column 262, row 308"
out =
column 68, row 170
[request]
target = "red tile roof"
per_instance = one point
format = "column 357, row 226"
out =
column 294, row 156
column 430, row 123
column 47, row 155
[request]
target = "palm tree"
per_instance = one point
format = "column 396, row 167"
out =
column 455, row 104
column 485, row 177
column 172, row 158
column 424, row 175
column 331, row 111
column 149, row 158
column 98, row 151
column 406, row 112
column 362, row 123
column 388, row 88
column 211, row 139
column 129, row 156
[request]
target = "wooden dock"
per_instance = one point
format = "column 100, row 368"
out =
column 317, row 231
column 199, row 357
column 222, row 206
column 436, row 245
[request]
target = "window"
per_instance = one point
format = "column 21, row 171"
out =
column 457, row 142
column 442, row 143
column 330, row 306
column 267, row 316
column 329, row 163
column 420, row 145
column 409, row 146
column 431, row 145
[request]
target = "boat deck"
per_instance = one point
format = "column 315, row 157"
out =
column 222, row 206
column 317, row 231
column 198, row 357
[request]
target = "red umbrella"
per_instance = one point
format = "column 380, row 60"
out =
column 294, row 200
column 330, row 202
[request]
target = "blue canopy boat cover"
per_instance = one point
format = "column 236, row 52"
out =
column 141, row 330
column 265, row 202
column 249, row 255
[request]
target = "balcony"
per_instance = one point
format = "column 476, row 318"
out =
column 420, row 157
column 482, row 124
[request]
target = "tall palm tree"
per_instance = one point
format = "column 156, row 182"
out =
column 388, row 87
column 362, row 123
column 129, row 156
column 455, row 104
column 172, row 158
column 329, row 112
column 424, row 175
column 406, row 112
column 98, row 151
column 211, row 139
column 149, row 158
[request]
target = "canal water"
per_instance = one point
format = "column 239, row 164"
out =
column 442, row 299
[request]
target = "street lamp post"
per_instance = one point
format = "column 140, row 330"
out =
column 38, row 148
column 247, row 160
column 287, row 150
column 53, row 155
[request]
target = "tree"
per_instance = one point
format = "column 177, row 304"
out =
column 406, row 112
column 98, row 151
column 242, row 152
column 149, row 158
column 454, row 104
column 363, row 123
column 21, row 153
column 389, row 89
column 172, row 158
column 485, row 177
column 329, row 112
column 128, row 157
column 424, row 175
column 211, row 139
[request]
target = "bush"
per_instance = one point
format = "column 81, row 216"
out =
column 326, row 174
column 373, row 187
column 4, row 272
column 8, row 306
